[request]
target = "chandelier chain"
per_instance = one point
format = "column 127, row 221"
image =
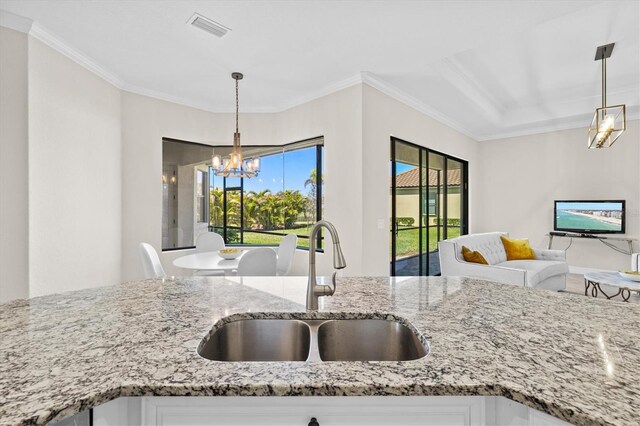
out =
column 235, row 165
column 237, row 106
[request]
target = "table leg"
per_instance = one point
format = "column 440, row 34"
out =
column 626, row 298
column 620, row 290
column 594, row 288
column 586, row 287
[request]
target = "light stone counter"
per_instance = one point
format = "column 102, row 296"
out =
column 573, row 357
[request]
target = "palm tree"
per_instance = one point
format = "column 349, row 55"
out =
column 313, row 182
column 215, row 210
column 312, row 197
column 250, row 212
column 262, row 211
column 293, row 203
column 233, row 208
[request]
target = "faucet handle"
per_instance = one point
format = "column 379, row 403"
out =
column 334, row 282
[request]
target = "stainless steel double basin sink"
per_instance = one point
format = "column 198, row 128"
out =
column 313, row 340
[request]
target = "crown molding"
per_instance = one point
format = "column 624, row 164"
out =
column 187, row 103
column 87, row 62
column 582, row 122
column 451, row 70
column 324, row 91
column 454, row 71
column 397, row 94
column 15, row 22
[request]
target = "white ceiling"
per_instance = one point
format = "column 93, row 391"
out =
column 488, row 68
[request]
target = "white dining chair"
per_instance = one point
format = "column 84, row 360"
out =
column 286, row 252
column 258, row 262
column 209, row 241
column 151, row 262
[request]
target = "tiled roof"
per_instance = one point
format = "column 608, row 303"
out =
column 410, row 178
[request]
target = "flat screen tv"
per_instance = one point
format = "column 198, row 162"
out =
column 589, row 216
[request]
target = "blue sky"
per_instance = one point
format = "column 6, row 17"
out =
column 402, row 167
column 297, row 166
column 589, row 206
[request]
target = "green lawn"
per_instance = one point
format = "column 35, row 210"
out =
column 260, row 238
column 407, row 242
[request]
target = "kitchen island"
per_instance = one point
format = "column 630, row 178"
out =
column 572, row 357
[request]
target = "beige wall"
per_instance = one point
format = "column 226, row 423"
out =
column 337, row 117
column 356, row 167
column 74, row 175
column 384, row 117
column 146, row 121
column 408, row 205
column 453, row 205
column 521, row 177
column 14, row 267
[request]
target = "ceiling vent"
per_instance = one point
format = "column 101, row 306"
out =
column 208, row 25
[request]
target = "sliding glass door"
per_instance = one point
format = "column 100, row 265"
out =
column 408, row 223
column 428, row 204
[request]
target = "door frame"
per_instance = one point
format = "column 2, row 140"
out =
column 464, row 220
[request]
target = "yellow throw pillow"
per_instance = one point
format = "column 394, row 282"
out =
column 473, row 256
column 517, row 249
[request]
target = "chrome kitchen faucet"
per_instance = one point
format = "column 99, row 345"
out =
column 315, row 290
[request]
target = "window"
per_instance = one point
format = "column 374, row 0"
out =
column 286, row 197
column 201, row 197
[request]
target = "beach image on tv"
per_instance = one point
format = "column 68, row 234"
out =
column 597, row 216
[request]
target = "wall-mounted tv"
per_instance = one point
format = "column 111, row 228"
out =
column 589, row 216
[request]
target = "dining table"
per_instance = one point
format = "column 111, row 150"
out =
column 208, row 261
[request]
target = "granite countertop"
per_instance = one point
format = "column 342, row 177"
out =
column 573, row 357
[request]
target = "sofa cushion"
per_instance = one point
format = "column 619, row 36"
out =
column 473, row 256
column 517, row 249
column 537, row 270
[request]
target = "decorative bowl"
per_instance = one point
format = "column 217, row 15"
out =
column 630, row 275
column 230, row 253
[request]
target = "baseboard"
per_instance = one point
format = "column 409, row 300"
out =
column 581, row 270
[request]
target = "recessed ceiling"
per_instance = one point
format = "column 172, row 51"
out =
column 488, row 68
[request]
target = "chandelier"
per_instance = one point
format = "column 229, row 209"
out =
column 609, row 122
column 235, row 165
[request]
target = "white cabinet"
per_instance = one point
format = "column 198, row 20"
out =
column 329, row 411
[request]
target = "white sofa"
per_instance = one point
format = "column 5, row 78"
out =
column 635, row 262
column 547, row 271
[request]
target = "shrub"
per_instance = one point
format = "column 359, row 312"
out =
column 405, row 221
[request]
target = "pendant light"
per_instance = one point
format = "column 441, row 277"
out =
column 235, row 166
column 609, row 122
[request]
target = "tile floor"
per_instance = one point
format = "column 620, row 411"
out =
column 575, row 284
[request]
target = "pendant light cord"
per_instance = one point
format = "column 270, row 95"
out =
column 604, row 82
column 237, row 106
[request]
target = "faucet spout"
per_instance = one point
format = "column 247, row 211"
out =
column 314, row 290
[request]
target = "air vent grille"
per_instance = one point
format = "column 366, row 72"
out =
column 208, row 25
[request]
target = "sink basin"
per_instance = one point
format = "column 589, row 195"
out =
column 368, row 340
column 313, row 340
column 259, row 340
